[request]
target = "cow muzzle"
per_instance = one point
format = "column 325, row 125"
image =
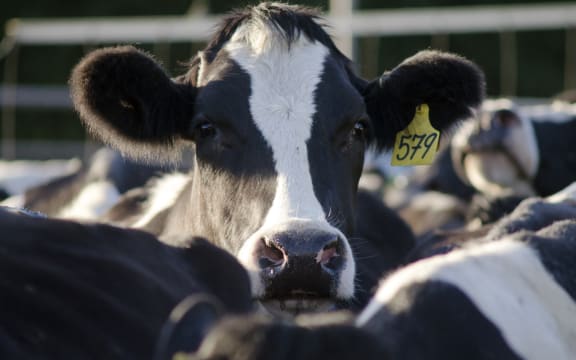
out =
column 301, row 270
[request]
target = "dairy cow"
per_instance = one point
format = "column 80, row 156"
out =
column 506, row 291
column 517, row 150
column 79, row 291
column 279, row 123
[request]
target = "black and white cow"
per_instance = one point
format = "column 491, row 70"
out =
column 494, row 161
column 510, row 294
column 518, row 150
column 89, row 191
column 256, row 337
column 280, row 124
column 507, row 291
column 514, row 298
column 78, row 291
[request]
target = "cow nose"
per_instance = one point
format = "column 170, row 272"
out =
column 300, row 263
column 280, row 250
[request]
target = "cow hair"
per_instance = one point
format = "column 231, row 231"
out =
column 126, row 99
column 285, row 22
column 454, row 88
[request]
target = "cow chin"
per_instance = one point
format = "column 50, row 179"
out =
column 294, row 307
column 299, row 269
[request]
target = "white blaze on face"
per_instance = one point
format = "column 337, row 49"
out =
column 509, row 285
column 283, row 84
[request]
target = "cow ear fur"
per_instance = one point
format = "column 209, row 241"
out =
column 188, row 324
column 126, row 99
column 451, row 86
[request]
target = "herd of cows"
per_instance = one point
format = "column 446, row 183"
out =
column 225, row 220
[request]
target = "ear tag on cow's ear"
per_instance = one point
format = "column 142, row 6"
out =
column 418, row 142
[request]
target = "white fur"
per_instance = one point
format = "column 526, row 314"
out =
column 492, row 171
column 92, row 202
column 15, row 201
column 522, row 141
column 510, row 286
column 566, row 194
column 282, row 105
column 162, row 195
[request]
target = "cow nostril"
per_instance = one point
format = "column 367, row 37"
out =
column 330, row 256
column 270, row 254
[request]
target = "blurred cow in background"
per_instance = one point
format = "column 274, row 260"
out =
column 87, row 192
column 493, row 162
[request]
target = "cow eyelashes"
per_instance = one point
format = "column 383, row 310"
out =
column 205, row 130
column 202, row 129
column 360, row 129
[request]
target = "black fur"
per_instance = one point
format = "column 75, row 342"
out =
column 437, row 321
column 126, row 99
column 448, row 83
column 329, row 336
column 234, row 179
column 77, row 291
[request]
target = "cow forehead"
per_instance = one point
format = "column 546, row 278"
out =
column 282, row 104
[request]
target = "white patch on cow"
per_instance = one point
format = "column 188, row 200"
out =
column 283, row 82
column 557, row 112
column 493, row 171
column 163, row 195
column 566, row 194
column 521, row 141
column 507, row 283
column 19, row 175
column 523, row 145
column 15, row 201
column 92, row 202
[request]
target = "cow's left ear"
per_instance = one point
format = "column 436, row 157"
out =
column 126, row 99
column 450, row 85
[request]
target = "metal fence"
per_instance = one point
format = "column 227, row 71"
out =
column 347, row 25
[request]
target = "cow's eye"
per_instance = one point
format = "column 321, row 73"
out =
column 359, row 130
column 205, row 130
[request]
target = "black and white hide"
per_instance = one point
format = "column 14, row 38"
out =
column 508, row 294
column 518, row 150
column 91, row 190
column 77, row 291
column 280, row 124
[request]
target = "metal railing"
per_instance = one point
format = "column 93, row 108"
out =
column 346, row 25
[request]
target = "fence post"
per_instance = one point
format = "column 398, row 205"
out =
column 508, row 63
column 345, row 37
column 570, row 59
column 9, row 109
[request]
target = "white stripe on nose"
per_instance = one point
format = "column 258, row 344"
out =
column 283, row 84
column 282, row 105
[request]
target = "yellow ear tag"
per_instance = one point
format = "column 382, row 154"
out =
column 418, row 142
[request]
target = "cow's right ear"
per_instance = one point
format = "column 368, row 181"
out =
column 127, row 100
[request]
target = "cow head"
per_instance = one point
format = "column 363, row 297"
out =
column 280, row 124
column 497, row 153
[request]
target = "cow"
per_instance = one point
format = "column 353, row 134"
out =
column 494, row 161
column 279, row 123
column 506, row 291
column 90, row 291
column 514, row 298
column 256, row 337
column 517, row 150
column 89, row 191
column 509, row 294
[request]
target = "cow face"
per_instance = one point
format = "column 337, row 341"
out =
column 280, row 125
column 498, row 152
